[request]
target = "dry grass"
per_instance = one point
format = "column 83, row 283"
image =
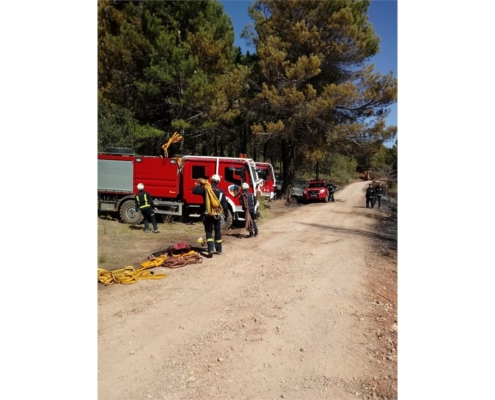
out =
column 121, row 245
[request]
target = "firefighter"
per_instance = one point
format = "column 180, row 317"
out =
column 144, row 203
column 379, row 193
column 212, row 222
column 248, row 202
column 370, row 196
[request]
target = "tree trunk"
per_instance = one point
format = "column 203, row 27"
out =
column 265, row 150
column 317, row 170
column 288, row 151
column 244, row 130
column 222, row 152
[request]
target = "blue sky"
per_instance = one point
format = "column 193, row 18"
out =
column 382, row 15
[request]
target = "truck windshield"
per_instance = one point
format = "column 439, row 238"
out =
column 262, row 173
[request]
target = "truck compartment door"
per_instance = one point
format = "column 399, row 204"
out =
column 115, row 175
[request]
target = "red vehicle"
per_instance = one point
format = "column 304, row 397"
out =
column 267, row 174
column 170, row 181
column 315, row 190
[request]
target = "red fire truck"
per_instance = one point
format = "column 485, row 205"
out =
column 267, row 174
column 170, row 181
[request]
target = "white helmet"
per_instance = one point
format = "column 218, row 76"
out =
column 140, row 186
column 215, row 178
column 245, row 186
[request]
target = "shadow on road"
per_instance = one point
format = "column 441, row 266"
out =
column 371, row 235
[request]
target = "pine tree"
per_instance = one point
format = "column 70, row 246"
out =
column 171, row 64
column 316, row 92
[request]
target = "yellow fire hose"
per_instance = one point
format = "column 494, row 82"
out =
column 126, row 275
column 174, row 139
column 213, row 206
column 129, row 275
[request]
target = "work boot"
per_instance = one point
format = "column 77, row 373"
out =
column 211, row 249
column 218, row 248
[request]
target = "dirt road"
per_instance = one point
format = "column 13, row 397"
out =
column 307, row 310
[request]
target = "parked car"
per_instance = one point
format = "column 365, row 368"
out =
column 315, row 190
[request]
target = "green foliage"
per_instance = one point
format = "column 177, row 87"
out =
column 342, row 168
column 179, row 124
column 141, row 132
column 391, row 155
column 115, row 127
column 314, row 93
column 118, row 128
column 171, row 64
column 391, row 160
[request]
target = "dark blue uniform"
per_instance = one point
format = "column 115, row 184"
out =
column 144, row 203
column 331, row 190
column 370, row 197
column 379, row 193
column 211, row 222
column 251, row 200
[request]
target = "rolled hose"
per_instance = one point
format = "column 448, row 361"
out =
column 213, row 206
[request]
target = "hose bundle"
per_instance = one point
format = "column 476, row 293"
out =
column 174, row 260
column 213, row 206
column 174, row 139
column 126, row 276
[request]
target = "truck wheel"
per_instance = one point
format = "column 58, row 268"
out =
column 226, row 222
column 326, row 199
column 128, row 213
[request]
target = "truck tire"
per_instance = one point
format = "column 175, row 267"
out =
column 326, row 198
column 128, row 213
column 227, row 222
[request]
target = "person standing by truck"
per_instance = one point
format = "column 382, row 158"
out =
column 144, row 203
column 212, row 221
column 331, row 190
column 248, row 201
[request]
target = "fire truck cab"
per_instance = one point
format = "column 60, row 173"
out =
column 233, row 173
column 267, row 174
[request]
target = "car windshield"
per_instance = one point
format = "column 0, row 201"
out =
column 315, row 184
